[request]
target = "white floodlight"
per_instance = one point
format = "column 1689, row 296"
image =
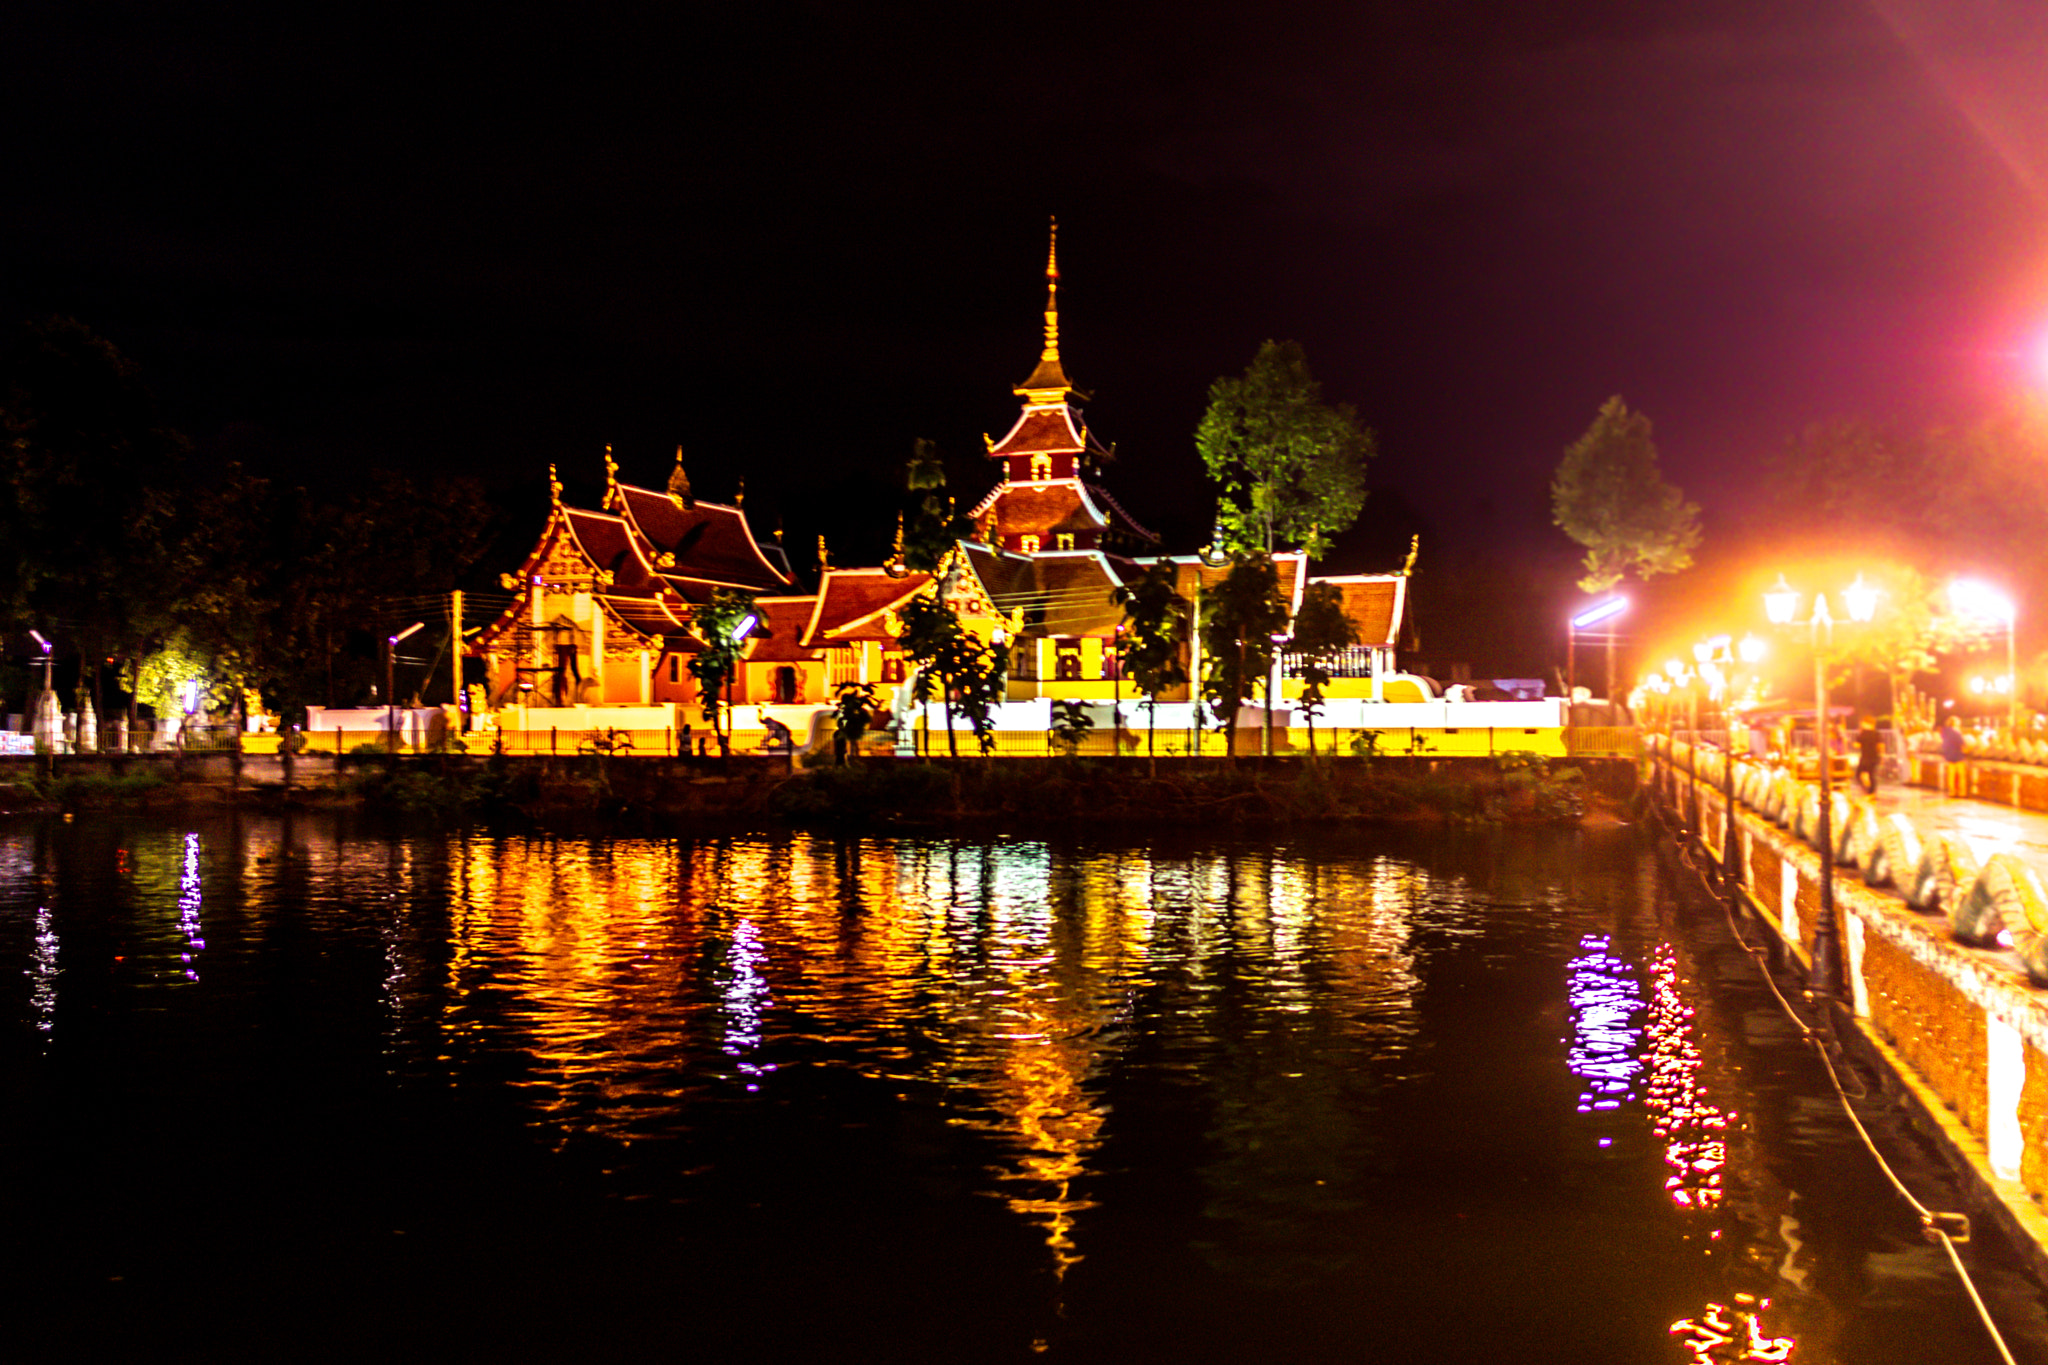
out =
column 1600, row 611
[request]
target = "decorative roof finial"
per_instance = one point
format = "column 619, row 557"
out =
column 739, row 497
column 1048, row 382
column 679, row 482
column 894, row 565
column 824, row 555
column 611, row 477
column 554, row 487
column 1052, row 295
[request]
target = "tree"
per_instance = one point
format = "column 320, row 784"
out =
column 1913, row 624
column 1321, row 631
column 1156, row 617
column 92, row 477
column 713, row 666
column 1289, row 468
column 931, row 523
column 851, row 715
column 1610, row 497
column 1240, row 617
column 970, row 674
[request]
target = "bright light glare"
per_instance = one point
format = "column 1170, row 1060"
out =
column 1781, row 603
column 1600, row 611
column 745, row 627
column 1752, row 649
column 1862, row 600
column 1972, row 598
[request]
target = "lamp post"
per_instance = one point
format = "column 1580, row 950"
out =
column 1592, row 616
column 390, row 672
column 740, row 632
column 1781, row 604
column 1981, row 599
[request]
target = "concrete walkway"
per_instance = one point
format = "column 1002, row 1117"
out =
column 1985, row 827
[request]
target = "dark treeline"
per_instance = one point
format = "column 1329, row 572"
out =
column 149, row 564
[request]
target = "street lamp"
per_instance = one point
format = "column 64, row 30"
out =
column 1591, row 616
column 1781, row 604
column 740, row 632
column 1717, row 658
column 390, row 691
column 1972, row 598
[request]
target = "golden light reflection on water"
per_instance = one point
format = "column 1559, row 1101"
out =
column 653, row 976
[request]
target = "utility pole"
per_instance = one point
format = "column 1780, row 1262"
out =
column 455, row 651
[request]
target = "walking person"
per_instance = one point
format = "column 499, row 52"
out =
column 1951, row 757
column 1869, row 754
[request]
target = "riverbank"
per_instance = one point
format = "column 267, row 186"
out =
column 1511, row 789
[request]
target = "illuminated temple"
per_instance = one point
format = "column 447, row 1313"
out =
column 599, row 631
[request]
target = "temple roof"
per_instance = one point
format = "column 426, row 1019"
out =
column 711, row 542
column 1045, row 430
column 851, row 602
column 1065, row 593
column 1190, row 574
column 1058, row 505
column 1376, row 604
column 786, row 620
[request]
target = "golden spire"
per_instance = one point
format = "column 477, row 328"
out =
column 1052, row 296
column 554, row 488
column 611, row 477
column 679, row 482
column 894, row 565
column 1049, row 383
column 739, row 497
column 824, row 555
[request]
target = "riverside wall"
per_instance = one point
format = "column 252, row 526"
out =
column 1961, row 1029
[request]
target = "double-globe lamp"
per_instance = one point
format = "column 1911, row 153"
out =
column 1781, row 604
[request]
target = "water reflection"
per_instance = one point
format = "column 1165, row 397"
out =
column 42, row 971
column 1604, row 1000
column 189, row 898
column 1296, row 1067
column 1694, row 1131
column 1723, row 1333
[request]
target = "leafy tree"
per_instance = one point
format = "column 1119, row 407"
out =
column 91, row 475
column 1946, row 497
column 1912, row 626
column 1149, row 649
column 1321, row 631
column 1240, row 617
column 1071, row 724
column 932, row 522
column 851, row 714
column 1610, row 497
column 1289, row 468
column 159, row 680
column 970, row 673
column 714, row 665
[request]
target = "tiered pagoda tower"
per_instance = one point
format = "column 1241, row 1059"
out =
column 1048, row 501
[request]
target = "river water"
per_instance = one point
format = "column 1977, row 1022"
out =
column 323, row 1090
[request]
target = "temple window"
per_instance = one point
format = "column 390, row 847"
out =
column 787, row 686
column 1025, row 669
column 1041, row 467
column 892, row 668
column 1066, row 664
column 675, row 667
column 1028, row 544
column 1063, row 540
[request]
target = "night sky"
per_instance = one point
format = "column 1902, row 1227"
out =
column 795, row 237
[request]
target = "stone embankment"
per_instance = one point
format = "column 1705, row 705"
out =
column 1510, row 789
